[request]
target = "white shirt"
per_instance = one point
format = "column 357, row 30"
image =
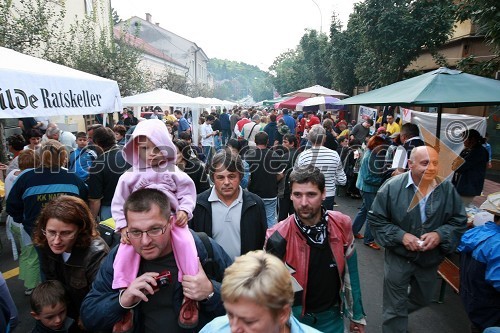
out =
column 205, row 132
column 328, row 162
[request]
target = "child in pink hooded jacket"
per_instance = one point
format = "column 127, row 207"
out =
column 152, row 155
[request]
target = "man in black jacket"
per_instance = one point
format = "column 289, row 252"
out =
column 234, row 218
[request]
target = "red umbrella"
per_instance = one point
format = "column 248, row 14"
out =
column 290, row 103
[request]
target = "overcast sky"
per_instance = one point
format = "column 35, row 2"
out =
column 254, row 32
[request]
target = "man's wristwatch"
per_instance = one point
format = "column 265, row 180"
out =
column 209, row 296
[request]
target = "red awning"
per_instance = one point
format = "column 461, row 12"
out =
column 290, row 103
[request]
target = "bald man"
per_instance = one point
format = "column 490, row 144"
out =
column 418, row 218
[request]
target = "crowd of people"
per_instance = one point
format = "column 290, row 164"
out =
column 241, row 232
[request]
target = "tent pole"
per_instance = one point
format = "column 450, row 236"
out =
column 438, row 124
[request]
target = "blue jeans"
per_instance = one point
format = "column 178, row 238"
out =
column 217, row 143
column 270, row 206
column 360, row 218
column 207, row 150
column 226, row 135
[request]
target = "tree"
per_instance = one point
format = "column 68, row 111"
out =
column 316, row 51
column 484, row 13
column 394, row 31
column 115, row 17
column 100, row 53
column 30, row 27
column 345, row 53
column 289, row 71
column 171, row 81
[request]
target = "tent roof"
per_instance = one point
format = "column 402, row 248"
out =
column 290, row 103
column 444, row 87
column 271, row 102
column 40, row 87
column 316, row 90
column 160, row 97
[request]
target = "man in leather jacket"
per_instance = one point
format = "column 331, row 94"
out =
column 319, row 245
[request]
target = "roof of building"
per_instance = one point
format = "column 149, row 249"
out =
column 141, row 44
column 176, row 46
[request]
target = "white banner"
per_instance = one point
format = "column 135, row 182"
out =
column 405, row 115
column 32, row 87
column 367, row 113
column 452, row 126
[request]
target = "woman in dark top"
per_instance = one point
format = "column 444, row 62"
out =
column 71, row 250
column 192, row 166
column 469, row 177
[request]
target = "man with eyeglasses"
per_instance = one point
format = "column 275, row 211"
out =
column 156, row 294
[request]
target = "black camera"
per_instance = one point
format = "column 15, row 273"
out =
column 163, row 280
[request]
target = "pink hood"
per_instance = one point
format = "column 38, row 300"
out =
column 156, row 131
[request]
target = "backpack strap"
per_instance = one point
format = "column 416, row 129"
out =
column 209, row 265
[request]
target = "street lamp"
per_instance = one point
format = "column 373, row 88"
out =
column 320, row 17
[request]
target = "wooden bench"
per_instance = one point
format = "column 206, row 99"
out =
column 450, row 274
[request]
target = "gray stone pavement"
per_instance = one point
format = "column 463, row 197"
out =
column 437, row 318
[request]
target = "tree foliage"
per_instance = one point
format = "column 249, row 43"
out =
column 35, row 28
column 171, row 81
column 486, row 15
column 236, row 80
column 30, row 26
column 98, row 52
column 393, row 32
column 346, row 49
column 306, row 65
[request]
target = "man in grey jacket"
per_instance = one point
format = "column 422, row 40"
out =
column 419, row 219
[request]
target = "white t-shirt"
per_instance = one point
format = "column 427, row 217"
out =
column 205, row 132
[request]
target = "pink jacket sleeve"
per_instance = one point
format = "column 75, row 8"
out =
column 123, row 190
column 186, row 192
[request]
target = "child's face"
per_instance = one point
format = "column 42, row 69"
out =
column 52, row 316
column 148, row 152
column 81, row 142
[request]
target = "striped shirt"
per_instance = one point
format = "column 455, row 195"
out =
column 328, row 162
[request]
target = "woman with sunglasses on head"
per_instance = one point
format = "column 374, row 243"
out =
column 71, row 250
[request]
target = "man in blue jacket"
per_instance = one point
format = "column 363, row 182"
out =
column 156, row 302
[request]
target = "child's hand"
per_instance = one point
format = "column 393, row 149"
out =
column 181, row 218
column 124, row 239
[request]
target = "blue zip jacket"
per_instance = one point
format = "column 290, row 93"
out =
column 80, row 161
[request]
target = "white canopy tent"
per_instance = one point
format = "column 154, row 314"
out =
column 160, row 97
column 316, row 90
column 33, row 87
column 209, row 102
column 170, row 98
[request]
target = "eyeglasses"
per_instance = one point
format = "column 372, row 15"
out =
column 154, row 232
column 62, row 235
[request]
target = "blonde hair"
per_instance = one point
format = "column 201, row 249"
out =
column 261, row 278
column 53, row 154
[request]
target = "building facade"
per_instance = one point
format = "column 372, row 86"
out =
column 183, row 54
